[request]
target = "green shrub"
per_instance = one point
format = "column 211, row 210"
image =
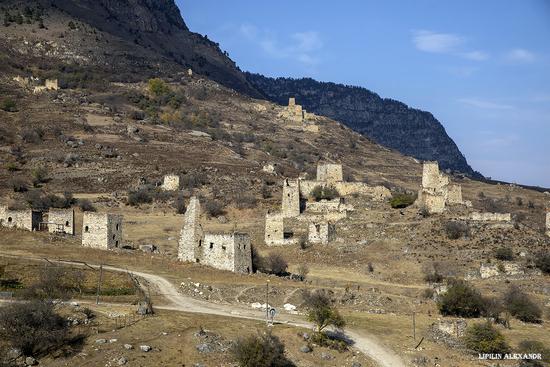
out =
column 534, row 347
column 504, row 254
column 321, row 310
column 461, row 299
column 158, row 87
column 86, row 205
column 213, row 208
column 402, row 200
column 260, row 351
column 521, row 306
column 11, row 167
column 484, row 338
column 8, row 105
column 456, row 230
column 140, row 196
column 179, row 204
column 277, row 264
column 324, row 193
column 17, row 185
column 39, row 176
column 542, row 262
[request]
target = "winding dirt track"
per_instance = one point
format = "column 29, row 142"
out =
column 176, row 301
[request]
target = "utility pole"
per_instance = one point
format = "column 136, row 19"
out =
column 99, row 284
column 267, row 303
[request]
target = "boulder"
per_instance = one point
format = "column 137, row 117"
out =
column 305, row 349
column 122, row 361
column 145, row 348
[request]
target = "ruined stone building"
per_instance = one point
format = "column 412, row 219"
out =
column 314, row 220
column 102, row 230
column 61, row 221
column 171, row 183
column 23, row 219
column 437, row 192
column 225, row 251
column 34, row 83
column 299, row 117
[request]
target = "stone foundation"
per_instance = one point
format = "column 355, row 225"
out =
column 171, row 183
column 491, row 217
column 322, row 233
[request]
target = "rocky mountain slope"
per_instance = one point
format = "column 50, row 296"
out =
column 112, row 39
column 388, row 122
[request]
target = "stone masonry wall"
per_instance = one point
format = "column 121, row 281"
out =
column 548, row 224
column 330, row 173
column 61, row 217
column 430, row 175
column 454, row 194
column 16, row 218
column 491, row 217
column 171, row 183
column 226, row 251
column 100, row 230
column 274, row 229
column 380, row 193
column 291, row 198
column 191, row 233
column 323, row 233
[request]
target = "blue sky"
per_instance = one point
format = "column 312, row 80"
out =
column 481, row 67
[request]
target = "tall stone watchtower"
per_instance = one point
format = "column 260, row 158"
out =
column 101, row 230
column 291, row 198
column 548, row 222
column 430, row 175
column 191, row 233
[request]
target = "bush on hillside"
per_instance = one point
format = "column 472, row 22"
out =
column 324, row 193
column 462, row 300
column 542, row 262
column 504, row 254
column 456, row 230
column 401, row 200
column 140, row 196
column 521, row 306
column 260, row 351
column 484, row 338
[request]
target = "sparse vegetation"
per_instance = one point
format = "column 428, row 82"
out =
column 39, row 176
column 461, row 299
column 456, row 230
column 8, row 105
column 179, row 204
column 213, row 208
column 504, row 254
column 521, row 306
column 139, row 196
column 302, row 271
column 264, row 350
column 321, row 310
column 32, row 135
column 542, row 261
column 324, row 193
column 484, row 338
column 402, row 200
column 158, row 87
column 17, row 184
column 86, row 205
column 276, row 264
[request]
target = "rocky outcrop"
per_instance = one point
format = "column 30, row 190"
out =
column 388, row 122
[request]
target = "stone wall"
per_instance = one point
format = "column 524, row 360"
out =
column 433, row 202
column 330, row 173
column 325, row 206
column 454, row 327
column 291, row 198
column 171, row 183
column 22, row 219
column 226, row 251
column 379, row 193
column 51, row 84
column 61, row 220
column 101, row 230
column 274, row 229
column 323, row 233
column 494, row 270
column 548, row 224
column 191, row 232
column 491, row 217
column 430, row 175
column 454, row 194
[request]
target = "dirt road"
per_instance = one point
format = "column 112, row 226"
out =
column 176, row 301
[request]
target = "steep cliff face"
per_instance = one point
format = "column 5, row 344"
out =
column 119, row 37
column 388, row 122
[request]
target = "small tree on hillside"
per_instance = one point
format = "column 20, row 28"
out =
column 484, row 338
column 461, row 299
column 321, row 310
column 521, row 306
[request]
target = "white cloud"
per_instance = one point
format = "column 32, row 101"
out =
column 476, row 55
column 520, row 55
column 446, row 43
column 300, row 46
column 484, row 104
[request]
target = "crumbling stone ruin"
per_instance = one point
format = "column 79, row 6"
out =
column 299, row 116
column 34, row 84
column 61, row 221
column 437, row 192
column 490, row 217
column 494, row 270
column 322, row 233
column 225, row 251
column 101, row 230
column 171, row 183
column 454, row 327
column 548, row 224
column 317, row 218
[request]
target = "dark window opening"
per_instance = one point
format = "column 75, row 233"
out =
column 223, row 248
column 116, row 244
column 197, row 261
column 211, row 245
column 114, row 237
column 200, row 243
column 117, row 227
column 287, row 235
column 86, row 229
column 66, row 223
column 10, row 219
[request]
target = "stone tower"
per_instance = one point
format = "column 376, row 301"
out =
column 101, row 230
column 430, row 175
column 191, row 234
column 548, row 223
column 291, row 198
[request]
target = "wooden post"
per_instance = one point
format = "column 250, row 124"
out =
column 414, row 325
column 99, row 284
